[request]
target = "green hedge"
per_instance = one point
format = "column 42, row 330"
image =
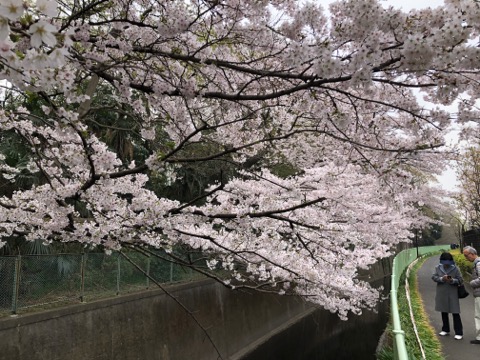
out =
column 463, row 264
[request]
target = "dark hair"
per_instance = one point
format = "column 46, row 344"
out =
column 446, row 256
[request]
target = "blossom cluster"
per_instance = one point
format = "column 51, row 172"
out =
column 315, row 115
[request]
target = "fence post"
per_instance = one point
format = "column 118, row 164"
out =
column 118, row 274
column 148, row 272
column 16, row 283
column 82, row 279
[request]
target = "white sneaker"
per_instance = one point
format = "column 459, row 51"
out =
column 458, row 337
column 443, row 333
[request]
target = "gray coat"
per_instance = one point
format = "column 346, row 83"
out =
column 446, row 297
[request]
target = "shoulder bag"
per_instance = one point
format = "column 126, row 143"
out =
column 462, row 292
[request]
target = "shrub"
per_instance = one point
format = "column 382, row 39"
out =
column 463, row 264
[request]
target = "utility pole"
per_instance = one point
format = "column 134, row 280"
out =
column 416, row 240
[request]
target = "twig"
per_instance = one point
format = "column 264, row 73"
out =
column 174, row 299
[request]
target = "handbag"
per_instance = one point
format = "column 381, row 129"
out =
column 462, row 292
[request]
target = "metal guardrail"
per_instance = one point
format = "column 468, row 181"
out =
column 400, row 263
column 43, row 280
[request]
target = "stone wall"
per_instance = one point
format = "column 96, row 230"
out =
column 151, row 325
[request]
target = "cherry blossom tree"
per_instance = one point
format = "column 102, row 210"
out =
column 253, row 85
column 468, row 197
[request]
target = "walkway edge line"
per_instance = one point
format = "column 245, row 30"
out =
column 412, row 318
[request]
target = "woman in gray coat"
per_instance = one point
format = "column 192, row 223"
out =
column 448, row 277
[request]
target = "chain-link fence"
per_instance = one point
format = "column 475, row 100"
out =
column 29, row 281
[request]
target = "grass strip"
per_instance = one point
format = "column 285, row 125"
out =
column 431, row 345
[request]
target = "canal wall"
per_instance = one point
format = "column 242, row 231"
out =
column 323, row 336
column 198, row 320
column 211, row 321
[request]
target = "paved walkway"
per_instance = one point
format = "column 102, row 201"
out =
column 452, row 349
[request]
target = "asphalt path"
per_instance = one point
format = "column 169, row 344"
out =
column 452, row 349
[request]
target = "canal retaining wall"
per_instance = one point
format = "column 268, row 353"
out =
column 212, row 322
column 200, row 320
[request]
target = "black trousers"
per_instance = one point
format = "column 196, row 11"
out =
column 457, row 323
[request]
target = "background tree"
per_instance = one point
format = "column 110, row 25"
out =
column 301, row 134
column 468, row 173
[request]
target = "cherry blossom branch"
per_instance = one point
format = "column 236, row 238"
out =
column 171, row 296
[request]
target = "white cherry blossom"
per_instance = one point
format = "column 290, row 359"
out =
column 42, row 32
column 11, row 9
column 317, row 150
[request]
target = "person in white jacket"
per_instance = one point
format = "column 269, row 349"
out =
column 471, row 255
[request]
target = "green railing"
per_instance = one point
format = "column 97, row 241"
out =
column 400, row 263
